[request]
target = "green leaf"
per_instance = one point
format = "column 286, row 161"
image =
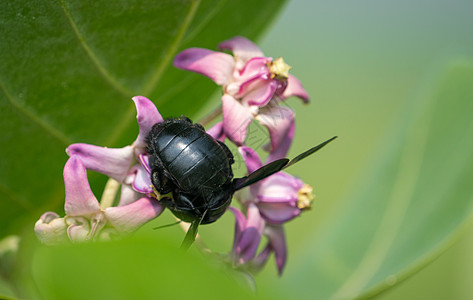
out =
column 5, row 290
column 415, row 202
column 69, row 69
column 137, row 268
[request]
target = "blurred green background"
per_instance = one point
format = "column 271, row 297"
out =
column 361, row 62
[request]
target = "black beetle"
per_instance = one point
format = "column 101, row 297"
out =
column 192, row 172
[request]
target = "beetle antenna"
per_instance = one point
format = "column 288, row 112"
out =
column 192, row 232
column 167, row 225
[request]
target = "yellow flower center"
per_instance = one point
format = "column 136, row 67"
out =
column 279, row 69
column 305, row 197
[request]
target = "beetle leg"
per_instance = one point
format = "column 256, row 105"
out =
column 175, row 206
column 161, row 182
column 160, row 177
column 183, row 201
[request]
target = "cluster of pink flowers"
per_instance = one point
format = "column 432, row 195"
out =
column 86, row 218
column 253, row 87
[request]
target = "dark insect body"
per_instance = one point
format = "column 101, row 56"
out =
column 195, row 168
column 192, row 172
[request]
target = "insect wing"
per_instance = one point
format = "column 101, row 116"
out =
column 274, row 167
column 259, row 174
column 308, row 152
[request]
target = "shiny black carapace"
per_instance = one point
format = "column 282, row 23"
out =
column 192, row 172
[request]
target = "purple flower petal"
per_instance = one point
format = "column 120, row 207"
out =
column 259, row 261
column 256, row 67
column 113, row 162
column 294, row 88
column 278, row 243
column 255, row 86
column 129, row 218
column 259, row 92
column 217, row 132
column 79, row 197
column 236, row 119
column 278, row 213
column 240, row 224
column 251, row 158
column 147, row 115
column 253, row 163
column 241, row 48
column 144, row 161
column 251, row 236
column 142, row 181
column 280, row 187
column 277, row 197
column 281, row 126
column 217, row 66
column 286, row 196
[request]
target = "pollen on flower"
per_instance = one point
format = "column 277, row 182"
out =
column 305, row 197
column 279, row 69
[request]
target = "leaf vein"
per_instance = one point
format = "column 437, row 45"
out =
column 149, row 87
column 20, row 201
column 95, row 60
column 205, row 21
column 36, row 119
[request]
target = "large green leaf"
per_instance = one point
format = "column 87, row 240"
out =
column 69, row 69
column 137, row 268
column 5, row 290
column 411, row 206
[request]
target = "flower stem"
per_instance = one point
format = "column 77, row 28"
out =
column 109, row 193
column 211, row 116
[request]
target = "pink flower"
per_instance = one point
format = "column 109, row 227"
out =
column 85, row 219
column 253, row 85
column 248, row 233
column 269, row 204
column 280, row 197
column 277, row 244
column 127, row 165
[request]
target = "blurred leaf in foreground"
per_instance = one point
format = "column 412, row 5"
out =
column 5, row 291
column 135, row 268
